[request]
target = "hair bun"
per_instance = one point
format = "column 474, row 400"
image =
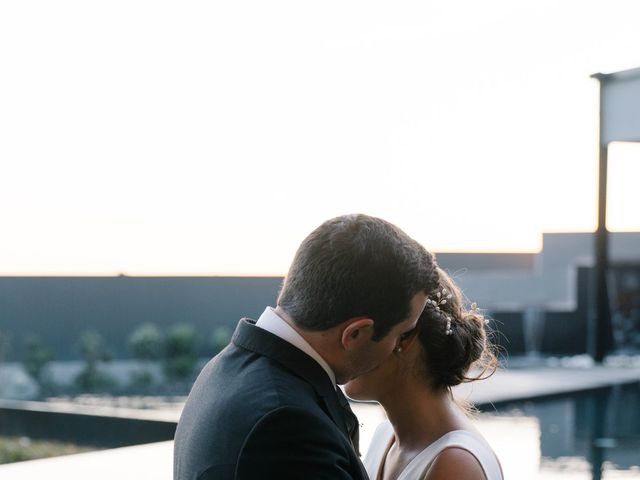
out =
column 453, row 338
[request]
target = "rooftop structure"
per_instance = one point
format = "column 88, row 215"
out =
column 546, row 280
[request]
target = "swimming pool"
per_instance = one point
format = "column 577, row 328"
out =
column 582, row 436
column 590, row 435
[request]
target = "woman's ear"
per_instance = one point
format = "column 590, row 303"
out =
column 355, row 331
column 406, row 341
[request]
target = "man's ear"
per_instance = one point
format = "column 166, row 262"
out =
column 356, row 330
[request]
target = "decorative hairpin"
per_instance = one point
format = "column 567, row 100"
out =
column 474, row 309
column 441, row 299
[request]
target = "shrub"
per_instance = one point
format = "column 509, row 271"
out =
column 5, row 344
column 220, row 338
column 180, row 352
column 146, row 342
column 94, row 351
column 35, row 362
column 5, row 340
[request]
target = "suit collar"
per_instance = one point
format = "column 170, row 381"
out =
column 258, row 340
column 274, row 323
column 262, row 342
column 255, row 339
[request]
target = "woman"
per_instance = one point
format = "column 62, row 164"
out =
column 428, row 435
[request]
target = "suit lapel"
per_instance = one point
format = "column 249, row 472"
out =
column 251, row 337
column 262, row 342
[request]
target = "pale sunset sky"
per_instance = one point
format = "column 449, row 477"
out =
column 209, row 138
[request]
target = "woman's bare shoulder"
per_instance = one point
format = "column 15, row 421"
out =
column 454, row 462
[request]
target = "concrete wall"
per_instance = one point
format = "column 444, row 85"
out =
column 549, row 281
column 41, row 421
column 60, row 309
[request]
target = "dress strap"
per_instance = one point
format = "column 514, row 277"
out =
column 469, row 441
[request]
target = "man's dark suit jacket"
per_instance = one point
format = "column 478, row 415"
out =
column 263, row 409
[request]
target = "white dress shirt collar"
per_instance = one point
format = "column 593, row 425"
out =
column 272, row 322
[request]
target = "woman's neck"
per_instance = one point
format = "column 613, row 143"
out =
column 420, row 416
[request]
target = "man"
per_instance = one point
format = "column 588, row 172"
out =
column 268, row 406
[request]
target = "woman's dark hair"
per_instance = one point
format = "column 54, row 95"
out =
column 453, row 338
column 356, row 266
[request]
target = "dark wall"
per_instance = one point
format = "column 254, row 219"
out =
column 84, row 429
column 506, row 328
column 60, row 309
column 564, row 333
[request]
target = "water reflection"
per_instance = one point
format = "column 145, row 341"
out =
column 590, row 436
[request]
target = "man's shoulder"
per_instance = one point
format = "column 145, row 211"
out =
column 237, row 388
column 254, row 376
column 239, row 399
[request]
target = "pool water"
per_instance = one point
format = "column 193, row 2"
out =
column 584, row 436
column 594, row 435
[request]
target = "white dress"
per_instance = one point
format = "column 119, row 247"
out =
column 417, row 468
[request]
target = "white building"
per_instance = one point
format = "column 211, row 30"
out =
column 545, row 280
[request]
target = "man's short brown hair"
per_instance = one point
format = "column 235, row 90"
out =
column 356, row 266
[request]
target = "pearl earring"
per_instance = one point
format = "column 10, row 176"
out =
column 398, row 350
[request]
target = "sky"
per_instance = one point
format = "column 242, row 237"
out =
column 209, row 138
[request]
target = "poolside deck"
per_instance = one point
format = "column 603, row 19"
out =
column 155, row 460
column 527, row 383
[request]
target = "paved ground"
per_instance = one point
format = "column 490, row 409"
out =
column 524, row 383
column 155, row 460
column 152, row 461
